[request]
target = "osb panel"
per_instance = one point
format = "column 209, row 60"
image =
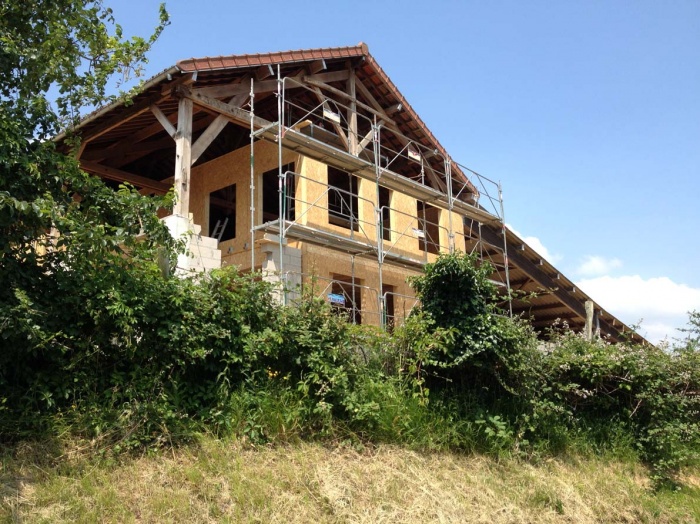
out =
column 324, row 263
column 234, row 168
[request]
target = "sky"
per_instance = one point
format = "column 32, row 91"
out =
column 588, row 113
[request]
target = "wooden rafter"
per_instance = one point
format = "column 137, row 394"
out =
column 129, row 114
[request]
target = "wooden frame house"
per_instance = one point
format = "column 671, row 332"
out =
column 313, row 168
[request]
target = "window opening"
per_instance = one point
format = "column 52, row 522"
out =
column 346, row 299
column 384, row 203
column 270, row 185
column 428, row 220
column 342, row 199
column 222, row 213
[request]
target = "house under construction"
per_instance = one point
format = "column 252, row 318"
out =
column 311, row 167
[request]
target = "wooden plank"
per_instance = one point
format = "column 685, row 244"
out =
column 118, row 175
column 183, row 155
column 163, row 120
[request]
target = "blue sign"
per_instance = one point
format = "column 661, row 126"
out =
column 337, row 299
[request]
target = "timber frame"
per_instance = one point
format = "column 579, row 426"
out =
column 332, row 107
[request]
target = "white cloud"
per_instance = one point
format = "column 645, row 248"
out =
column 596, row 265
column 660, row 303
column 536, row 244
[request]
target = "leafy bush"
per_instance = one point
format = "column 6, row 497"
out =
column 649, row 392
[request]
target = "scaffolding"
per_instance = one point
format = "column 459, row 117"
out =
column 338, row 134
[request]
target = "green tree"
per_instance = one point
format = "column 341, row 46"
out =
column 65, row 238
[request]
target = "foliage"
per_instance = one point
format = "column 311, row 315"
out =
column 486, row 355
column 649, row 392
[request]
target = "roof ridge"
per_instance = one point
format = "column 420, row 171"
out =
column 209, row 63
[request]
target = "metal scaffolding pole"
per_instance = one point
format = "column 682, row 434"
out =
column 281, row 181
column 252, row 178
column 380, row 224
column 450, row 205
column 505, row 250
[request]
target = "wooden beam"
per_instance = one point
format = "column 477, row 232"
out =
column 339, row 130
column 170, row 87
column 352, row 115
column 375, row 104
column 264, row 72
column 533, row 270
column 234, row 114
column 118, row 175
column 169, row 128
column 266, row 86
column 335, row 76
column 394, row 109
column 141, row 149
column 211, row 132
column 183, row 155
column 322, row 85
column 316, row 66
column 367, row 139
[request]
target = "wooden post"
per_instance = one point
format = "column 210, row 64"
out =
column 183, row 157
column 588, row 330
column 352, row 115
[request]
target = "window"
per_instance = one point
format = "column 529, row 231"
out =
column 222, row 213
column 270, row 187
column 384, row 203
column 429, row 229
column 342, row 199
column 346, row 298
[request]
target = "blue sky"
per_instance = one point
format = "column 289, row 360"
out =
column 587, row 112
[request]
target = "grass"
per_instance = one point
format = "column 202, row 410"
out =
column 225, row 481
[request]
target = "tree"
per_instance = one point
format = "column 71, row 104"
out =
column 65, row 238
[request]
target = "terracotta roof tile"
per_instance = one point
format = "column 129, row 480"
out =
column 252, row 60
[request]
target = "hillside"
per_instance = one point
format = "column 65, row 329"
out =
column 225, row 481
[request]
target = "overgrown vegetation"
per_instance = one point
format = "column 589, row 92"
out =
column 149, row 359
column 99, row 341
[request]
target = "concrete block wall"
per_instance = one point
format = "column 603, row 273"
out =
column 202, row 252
